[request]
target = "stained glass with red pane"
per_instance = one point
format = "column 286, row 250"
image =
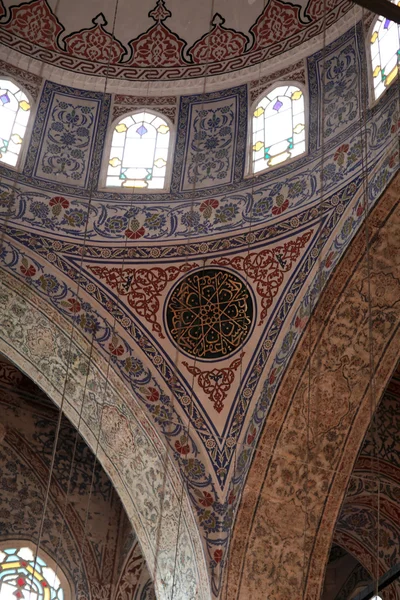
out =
column 24, row 578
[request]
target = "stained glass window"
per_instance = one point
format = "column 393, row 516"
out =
column 22, row 579
column 278, row 127
column 385, row 49
column 14, row 116
column 139, row 152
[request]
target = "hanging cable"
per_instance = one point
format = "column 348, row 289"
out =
column 60, row 415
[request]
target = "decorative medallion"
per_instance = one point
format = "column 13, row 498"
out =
column 209, row 314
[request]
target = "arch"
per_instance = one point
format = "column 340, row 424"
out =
column 15, row 107
column 140, row 151
column 278, row 126
column 130, row 451
column 271, row 520
column 43, row 576
column 384, row 47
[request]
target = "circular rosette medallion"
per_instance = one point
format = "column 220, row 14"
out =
column 209, row 314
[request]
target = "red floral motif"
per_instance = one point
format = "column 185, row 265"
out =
column 329, row 258
column 219, row 44
column 182, row 446
column 395, row 127
column 251, row 436
column 268, row 267
column 340, row 153
column 34, row 22
column 159, row 46
column 57, row 204
column 152, row 395
column 27, row 269
column 143, row 287
column 216, row 383
column 208, row 206
column 272, row 377
column 95, row 44
column 277, row 22
column 59, row 200
column 300, row 323
column 73, row 305
column 205, row 498
column 393, row 160
column 218, row 554
column 231, row 498
column 281, row 206
column 115, row 347
column 135, row 234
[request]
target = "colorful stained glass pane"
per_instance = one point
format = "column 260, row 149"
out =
column 392, row 75
column 277, row 118
column 121, row 127
column 139, row 145
column 135, row 183
column 384, row 48
column 377, row 71
column 257, row 146
column 17, row 139
column 163, row 129
column 141, row 130
column 14, row 115
column 258, row 112
column 297, row 95
column 299, row 128
column 114, row 162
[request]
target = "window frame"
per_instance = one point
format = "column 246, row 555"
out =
column 249, row 154
column 50, row 562
column 107, row 155
column 29, row 127
column 372, row 100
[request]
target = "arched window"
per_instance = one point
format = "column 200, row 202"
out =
column 278, row 127
column 22, row 579
column 139, row 152
column 14, row 116
column 385, row 47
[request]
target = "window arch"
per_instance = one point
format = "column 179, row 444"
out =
column 278, row 127
column 14, row 116
column 139, row 152
column 22, row 579
column 385, row 46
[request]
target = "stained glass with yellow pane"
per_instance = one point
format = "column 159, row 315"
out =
column 139, row 152
column 278, row 127
column 22, row 577
column 385, row 47
column 14, row 116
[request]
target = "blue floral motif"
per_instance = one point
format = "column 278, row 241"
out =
column 40, row 209
column 68, row 140
column 212, row 144
column 155, row 221
column 227, row 213
column 75, row 217
column 116, row 223
column 341, row 93
column 191, row 219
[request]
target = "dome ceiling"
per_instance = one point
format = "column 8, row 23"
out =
column 162, row 39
